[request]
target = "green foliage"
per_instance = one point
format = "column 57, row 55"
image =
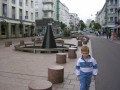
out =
column 21, row 25
column 92, row 24
column 63, row 26
column 4, row 24
column 66, row 33
column 32, row 26
column 97, row 26
column 82, row 25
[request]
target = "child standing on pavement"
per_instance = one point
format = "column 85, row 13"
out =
column 86, row 68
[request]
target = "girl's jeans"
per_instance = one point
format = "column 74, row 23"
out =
column 85, row 81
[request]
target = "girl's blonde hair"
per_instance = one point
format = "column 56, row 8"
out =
column 85, row 49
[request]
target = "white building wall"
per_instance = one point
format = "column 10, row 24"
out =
column 17, row 7
column 64, row 14
column 13, row 23
column 39, row 6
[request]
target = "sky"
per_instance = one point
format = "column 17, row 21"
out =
column 86, row 9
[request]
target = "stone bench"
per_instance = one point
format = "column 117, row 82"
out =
column 61, row 58
column 40, row 85
column 33, row 39
column 72, row 53
column 56, row 74
column 22, row 42
column 29, row 44
column 79, row 43
column 8, row 43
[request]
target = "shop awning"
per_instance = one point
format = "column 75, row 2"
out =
column 118, row 26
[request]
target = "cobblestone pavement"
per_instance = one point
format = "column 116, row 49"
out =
column 17, row 69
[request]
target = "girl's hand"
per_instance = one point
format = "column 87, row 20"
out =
column 94, row 77
column 78, row 78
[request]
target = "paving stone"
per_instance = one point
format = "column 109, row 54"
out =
column 75, row 82
column 61, row 89
column 72, row 76
column 68, row 86
column 17, row 69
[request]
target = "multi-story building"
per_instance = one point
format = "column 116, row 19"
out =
column 74, row 21
column 45, row 12
column 64, row 14
column 50, row 10
column 17, row 18
column 108, row 16
column 111, row 13
column 101, row 16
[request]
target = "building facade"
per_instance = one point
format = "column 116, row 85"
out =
column 46, row 11
column 108, row 16
column 17, row 18
column 50, row 10
column 101, row 16
column 64, row 14
column 74, row 21
column 111, row 13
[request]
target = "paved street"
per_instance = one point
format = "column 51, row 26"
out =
column 17, row 69
column 107, row 54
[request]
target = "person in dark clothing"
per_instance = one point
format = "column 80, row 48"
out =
column 109, row 35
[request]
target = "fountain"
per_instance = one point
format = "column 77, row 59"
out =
column 47, row 45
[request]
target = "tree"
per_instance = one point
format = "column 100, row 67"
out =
column 82, row 25
column 63, row 26
column 65, row 32
column 92, row 24
column 32, row 28
column 97, row 26
column 21, row 28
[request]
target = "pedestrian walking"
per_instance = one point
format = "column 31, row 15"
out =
column 86, row 68
column 109, row 35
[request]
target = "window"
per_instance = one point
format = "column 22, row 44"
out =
column 20, row 2
column 115, row 10
column 26, row 2
column 115, row 19
column 111, row 10
column 45, row 14
column 111, row 2
column 13, row 12
column 26, row 17
column 111, row 19
column 4, row 9
column 31, row 16
column 115, row 2
column 20, row 14
column 13, row 1
column 31, row 3
column 36, row 14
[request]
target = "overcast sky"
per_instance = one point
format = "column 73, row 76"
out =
column 84, row 8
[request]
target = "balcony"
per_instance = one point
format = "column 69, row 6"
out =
column 47, row 17
column 48, row 1
column 48, row 9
